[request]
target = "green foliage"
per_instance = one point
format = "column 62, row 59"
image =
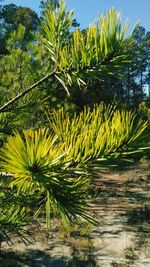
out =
column 6, row 126
column 144, row 111
column 17, row 67
column 18, row 70
column 13, row 214
column 46, row 171
column 39, row 167
column 53, row 166
column 99, row 50
column 99, row 133
column 12, row 15
column 12, row 223
column 56, row 26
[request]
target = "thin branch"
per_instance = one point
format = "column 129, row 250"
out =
column 86, row 68
column 29, row 89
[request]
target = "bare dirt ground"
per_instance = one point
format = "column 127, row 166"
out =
column 121, row 204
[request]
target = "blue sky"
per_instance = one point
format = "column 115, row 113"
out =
column 86, row 11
